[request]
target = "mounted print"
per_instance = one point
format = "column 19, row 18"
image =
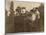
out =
column 22, row 16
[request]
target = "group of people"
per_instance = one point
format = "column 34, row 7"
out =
column 32, row 14
column 31, row 18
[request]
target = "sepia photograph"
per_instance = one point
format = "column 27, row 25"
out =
column 22, row 16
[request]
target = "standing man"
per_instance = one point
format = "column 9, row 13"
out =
column 35, row 20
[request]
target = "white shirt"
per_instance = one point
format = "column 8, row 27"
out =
column 38, row 13
column 8, row 13
column 33, row 17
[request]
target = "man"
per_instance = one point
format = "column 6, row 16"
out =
column 23, row 11
column 17, row 11
column 35, row 20
column 37, row 13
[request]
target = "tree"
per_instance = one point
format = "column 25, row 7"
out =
column 12, row 8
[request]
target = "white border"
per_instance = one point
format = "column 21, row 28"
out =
column 2, row 17
column 32, row 0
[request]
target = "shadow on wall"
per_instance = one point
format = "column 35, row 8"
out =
column 41, row 10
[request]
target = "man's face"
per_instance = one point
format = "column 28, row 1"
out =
column 23, row 11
